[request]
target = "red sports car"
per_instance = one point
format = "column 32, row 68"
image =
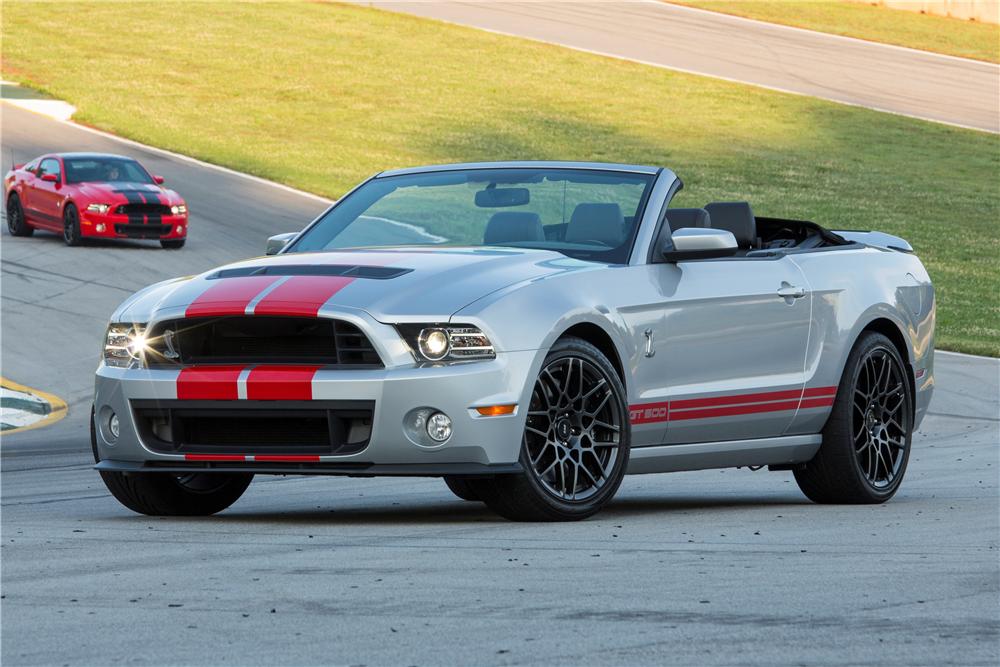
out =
column 93, row 195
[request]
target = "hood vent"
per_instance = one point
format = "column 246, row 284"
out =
column 345, row 270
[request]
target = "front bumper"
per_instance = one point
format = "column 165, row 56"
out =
column 478, row 444
column 117, row 226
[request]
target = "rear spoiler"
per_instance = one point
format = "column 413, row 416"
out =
column 877, row 239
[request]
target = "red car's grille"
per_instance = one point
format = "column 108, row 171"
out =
column 143, row 209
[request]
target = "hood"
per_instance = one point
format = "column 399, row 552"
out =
column 128, row 193
column 394, row 285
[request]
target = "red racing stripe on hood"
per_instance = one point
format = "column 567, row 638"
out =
column 228, row 296
column 209, row 383
column 281, row 383
column 301, row 295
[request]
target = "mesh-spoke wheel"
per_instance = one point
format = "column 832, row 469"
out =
column 866, row 441
column 880, row 418
column 573, row 429
column 71, row 225
column 16, row 224
column 575, row 446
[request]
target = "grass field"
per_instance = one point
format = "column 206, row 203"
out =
column 954, row 37
column 319, row 96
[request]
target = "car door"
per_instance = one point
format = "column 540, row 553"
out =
column 725, row 343
column 46, row 196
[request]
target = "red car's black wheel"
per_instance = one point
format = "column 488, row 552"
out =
column 16, row 224
column 71, row 226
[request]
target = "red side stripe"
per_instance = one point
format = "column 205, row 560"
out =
column 214, row 457
column 287, row 459
column 729, row 411
column 820, row 391
column 817, row 402
column 281, row 383
column 728, row 406
column 301, row 295
column 208, row 383
column 735, row 400
column 228, row 296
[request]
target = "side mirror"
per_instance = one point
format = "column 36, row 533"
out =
column 50, row 178
column 697, row 243
column 276, row 244
column 158, row 180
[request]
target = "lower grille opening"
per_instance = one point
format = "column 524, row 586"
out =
column 142, row 231
column 255, row 427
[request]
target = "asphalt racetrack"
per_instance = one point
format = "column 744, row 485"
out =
column 716, row 567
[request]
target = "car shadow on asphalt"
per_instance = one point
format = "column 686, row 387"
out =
column 460, row 512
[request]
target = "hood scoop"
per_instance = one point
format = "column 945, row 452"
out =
column 342, row 270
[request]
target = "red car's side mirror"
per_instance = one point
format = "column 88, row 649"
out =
column 51, row 178
column 158, row 180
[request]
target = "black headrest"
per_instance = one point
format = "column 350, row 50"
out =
column 679, row 218
column 593, row 221
column 513, row 227
column 736, row 217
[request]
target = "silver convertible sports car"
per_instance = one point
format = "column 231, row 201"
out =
column 530, row 332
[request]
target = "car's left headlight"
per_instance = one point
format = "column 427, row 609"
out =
column 178, row 209
column 125, row 345
column 99, row 208
column 447, row 342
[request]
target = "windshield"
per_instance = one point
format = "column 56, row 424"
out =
column 586, row 214
column 104, row 169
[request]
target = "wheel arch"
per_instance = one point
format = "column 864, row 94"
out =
column 894, row 332
column 602, row 340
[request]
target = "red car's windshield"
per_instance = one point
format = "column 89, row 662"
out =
column 115, row 170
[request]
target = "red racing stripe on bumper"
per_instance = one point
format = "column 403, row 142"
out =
column 209, row 383
column 301, row 295
column 229, row 296
column 281, row 383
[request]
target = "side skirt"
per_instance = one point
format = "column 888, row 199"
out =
column 724, row 454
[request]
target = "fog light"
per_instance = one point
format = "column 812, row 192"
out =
column 100, row 227
column 180, row 229
column 439, row 427
column 113, row 425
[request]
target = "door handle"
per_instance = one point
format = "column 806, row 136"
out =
column 788, row 291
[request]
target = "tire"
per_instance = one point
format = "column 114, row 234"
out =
column 462, row 487
column 172, row 244
column 577, row 423
column 16, row 224
column 167, row 494
column 71, row 226
column 866, row 441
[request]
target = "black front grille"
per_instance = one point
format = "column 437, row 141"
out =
column 259, row 340
column 255, row 427
column 142, row 231
column 143, row 209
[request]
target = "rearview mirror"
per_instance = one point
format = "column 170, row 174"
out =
column 502, row 197
column 158, row 180
column 698, row 243
column 276, row 244
column 50, row 178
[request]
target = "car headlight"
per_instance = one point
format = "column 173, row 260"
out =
column 178, row 209
column 125, row 345
column 98, row 208
column 447, row 342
